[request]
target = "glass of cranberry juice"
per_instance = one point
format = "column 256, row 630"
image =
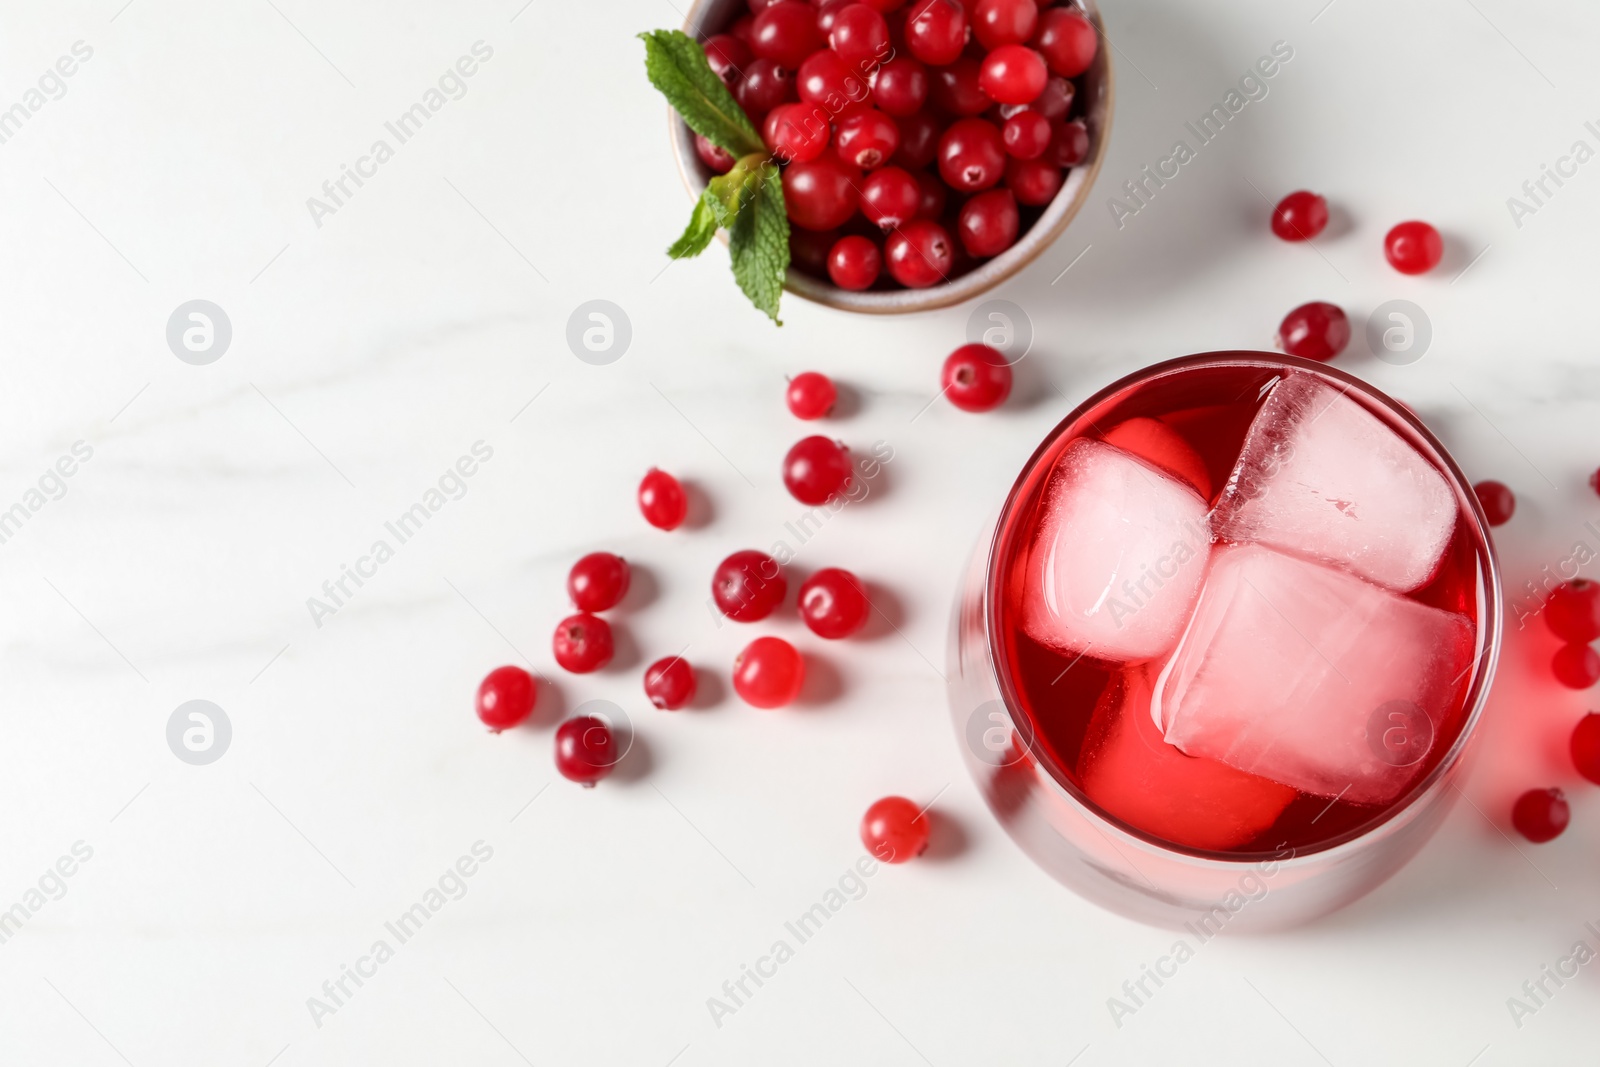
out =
column 1067, row 743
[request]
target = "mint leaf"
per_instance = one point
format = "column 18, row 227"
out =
column 677, row 66
column 702, row 228
column 759, row 240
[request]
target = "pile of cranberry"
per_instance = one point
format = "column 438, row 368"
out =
column 900, row 124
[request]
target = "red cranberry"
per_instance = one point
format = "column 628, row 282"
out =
column 768, row 673
column 820, row 194
column 598, row 581
column 1300, row 216
column 1013, row 74
column 1053, row 103
column 976, row 378
column 900, row 86
column 765, row 86
column 1317, row 330
column 1497, row 500
column 854, row 263
column 1026, row 135
column 894, row 830
column 506, row 697
column 1594, row 481
column 936, row 31
column 889, row 198
column 931, row 204
column 833, row 603
column 919, row 254
column 582, row 643
column 1586, row 747
column 958, row 89
column 662, row 500
column 1541, row 814
column 866, row 136
column 720, row 161
column 972, row 155
column 728, row 56
column 758, row 6
column 824, row 79
column 1034, row 181
column 1070, row 144
column 883, row 7
column 860, row 36
column 1576, row 666
column 796, row 132
column 1573, row 611
column 811, row 395
column 1413, row 248
column 815, row 469
column 748, row 586
column 919, row 140
column 585, row 750
column 741, row 28
column 998, row 22
column 828, row 13
column 1067, row 41
column 988, row 223
column 669, row 683
column 786, row 33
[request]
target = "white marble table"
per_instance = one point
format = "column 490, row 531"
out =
column 375, row 342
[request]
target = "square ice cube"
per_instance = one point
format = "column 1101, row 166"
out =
column 1307, row 675
column 1321, row 476
column 1118, row 559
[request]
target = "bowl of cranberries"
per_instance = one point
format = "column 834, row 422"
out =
column 930, row 149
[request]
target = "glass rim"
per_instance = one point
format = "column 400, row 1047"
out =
column 1490, row 624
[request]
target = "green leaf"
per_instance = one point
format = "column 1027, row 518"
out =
column 702, row 228
column 759, row 239
column 677, row 66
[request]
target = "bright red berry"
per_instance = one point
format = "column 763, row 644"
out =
column 669, row 683
column 998, row 22
column 900, row 87
column 1026, row 134
column 833, row 603
column 860, row 37
column 1573, row 611
column 582, row 643
column 1300, row 216
column 919, row 140
column 890, row 198
column 958, row 89
column 811, row 395
column 768, row 673
column 919, row 254
column 1594, row 481
column 728, row 56
column 598, row 581
column 586, row 750
column 1317, row 330
column 796, row 132
column 1413, row 247
column 1498, row 501
column 1034, row 181
column 748, row 586
column 786, row 33
column 1070, row 144
column 866, row 137
column 765, row 86
column 976, row 378
column 815, row 469
column 936, row 30
column 1541, row 814
column 1586, row 747
column 821, row 194
column 824, row 79
column 1053, row 103
column 1067, row 41
column 506, row 697
column 1576, row 666
column 1013, row 74
column 894, row 830
column 988, row 223
column 972, row 155
column 854, row 263
column 720, row 161
column 662, row 500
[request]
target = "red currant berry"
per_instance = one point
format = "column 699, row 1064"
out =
column 972, row 155
column 988, row 223
column 976, row 378
column 811, row 395
column 919, row 254
column 662, row 500
column 1053, row 103
column 1070, row 144
column 1034, row 181
column 931, row 204
column 860, row 37
column 1413, row 248
column 958, row 89
column 919, row 140
column 824, row 79
column 1317, row 330
column 598, row 581
column 820, row 194
column 1573, row 611
column 506, row 697
column 1013, row 74
column 854, row 263
column 1586, row 747
column 1576, row 666
column 786, row 33
column 1026, row 135
column 669, row 683
column 998, row 22
column 894, row 830
column 890, row 197
column 936, row 31
column 866, row 137
column 1300, row 216
column 900, row 86
column 765, row 86
column 1541, row 814
column 728, row 57
column 748, row 586
column 582, row 643
column 720, row 161
column 833, row 603
column 768, row 673
column 815, row 469
column 1497, row 500
column 1067, row 41
column 796, row 133
column 586, row 750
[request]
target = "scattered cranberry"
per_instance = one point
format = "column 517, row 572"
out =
column 866, row 137
column 669, row 683
column 662, row 500
column 727, row 56
column 936, row 31
column 786, row 33
column 1067, row 40
column 585, row 750
column 1070, row 144
column 894, row 830
column 988, row 223
column 748, row 586
column 811, row 395
column 833, row 603
column 1498, row 501
column 1013, row 74
column 1413, row 248
column 1573, row 611
column 976, row 378
column 972, row 155
column 860, row 37
column 900, row 86
column 598, row 581
column 582, row 643
column 796, row 132
column 1300, row 216
column 815, row 469
column 1034, row 181
column 1576, row 666
column 821, row 194
column 998, row 22
column 919, row 254
column 1541, row 814
column 890, row 198
column 1594, row 481
column 824, row 79
column 719, row 160
column 506, row 697
column 765, row 86
column 958, row 89
column 1317, row 330
column 919, row 140
column 768, row 673
column 1586, row 747
column 1026, row 135
column 854, row 263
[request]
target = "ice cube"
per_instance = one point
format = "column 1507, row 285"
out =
column 1118, row 558
column 1302, row 673
column 1321, row 476
column 1157, row 443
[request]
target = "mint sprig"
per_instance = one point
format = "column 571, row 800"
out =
column 748, row 200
